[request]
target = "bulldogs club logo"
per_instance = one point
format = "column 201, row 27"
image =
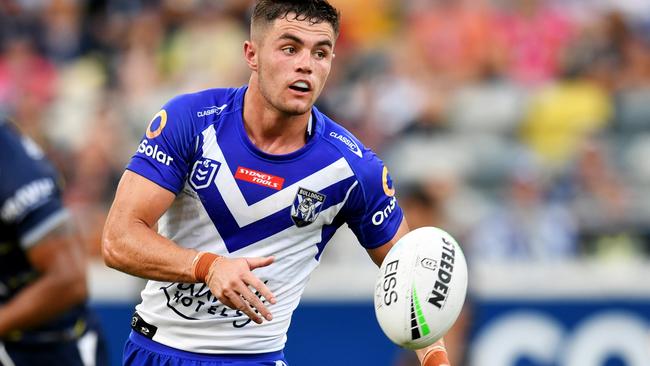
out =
column 306, row 207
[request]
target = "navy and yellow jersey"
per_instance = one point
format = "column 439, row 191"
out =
column 238, row 201
column 30, row 208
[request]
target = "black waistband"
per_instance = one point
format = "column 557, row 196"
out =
column 142, row 327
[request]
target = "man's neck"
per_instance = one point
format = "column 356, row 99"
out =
column 271, row 130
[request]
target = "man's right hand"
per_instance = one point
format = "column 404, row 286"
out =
column 229, row 280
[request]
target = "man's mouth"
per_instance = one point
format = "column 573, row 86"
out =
column 300, row 86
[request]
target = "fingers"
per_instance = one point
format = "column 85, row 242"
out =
column 243, row 306
column 224, row 300
column 258, row 262
column 436, row 356
column 260, row 287
column 229, row 281
column 255, row 303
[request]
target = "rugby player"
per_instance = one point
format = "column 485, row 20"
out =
column 233, row 194
column 44, row 319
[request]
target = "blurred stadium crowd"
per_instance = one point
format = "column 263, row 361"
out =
column 520, row 126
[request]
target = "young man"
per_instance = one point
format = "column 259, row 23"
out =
column 43, row 316
column 254, row 178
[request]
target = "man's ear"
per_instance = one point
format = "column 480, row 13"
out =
column 250, row 54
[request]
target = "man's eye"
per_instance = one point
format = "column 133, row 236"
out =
column 289, row 50
column 320, row 54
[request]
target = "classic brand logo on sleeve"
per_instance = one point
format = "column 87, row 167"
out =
column 259, row 178
column 348, row 142
column 27, row 197
column 208, row 111
column 158, row 123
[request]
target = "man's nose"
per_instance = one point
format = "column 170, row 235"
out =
column 304, row 62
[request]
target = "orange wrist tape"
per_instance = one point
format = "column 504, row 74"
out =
column 201, row 265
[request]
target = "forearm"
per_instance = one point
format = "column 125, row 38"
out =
column 41, row 301
column 137, row 249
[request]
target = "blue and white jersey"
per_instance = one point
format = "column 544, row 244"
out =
column 238, row 201
column 30, row 207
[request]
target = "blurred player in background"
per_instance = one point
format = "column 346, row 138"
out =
column 243, row 179
column 43, row 315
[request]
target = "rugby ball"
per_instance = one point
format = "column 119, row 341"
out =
column 421, row 288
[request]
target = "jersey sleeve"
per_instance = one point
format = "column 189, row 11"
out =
column 30, row 197
column 167, row 147
column 374, row 214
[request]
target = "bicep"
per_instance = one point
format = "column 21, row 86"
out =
column 138, row 199
column 131, row 244
column 378, row 254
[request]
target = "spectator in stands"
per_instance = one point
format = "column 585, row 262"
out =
column 532, row 36
column 524, row 225
column 592, row 189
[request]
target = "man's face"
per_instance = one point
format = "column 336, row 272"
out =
column 294, row 61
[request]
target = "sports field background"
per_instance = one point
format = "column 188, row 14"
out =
column 522, row 127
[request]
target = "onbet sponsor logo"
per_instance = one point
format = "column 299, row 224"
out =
column 441, row 287
column 379, row 216
column 259, row 178
column 162, row 118
column 154, row 152
column 208, row 111
column 348, row 142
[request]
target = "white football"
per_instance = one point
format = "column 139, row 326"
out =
column 421, row 288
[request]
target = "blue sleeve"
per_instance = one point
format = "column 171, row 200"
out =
column 167, row 147
column 30, row 197
column 43, row 217
column 373, row 212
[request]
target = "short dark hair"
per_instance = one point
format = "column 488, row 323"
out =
column 314, row 11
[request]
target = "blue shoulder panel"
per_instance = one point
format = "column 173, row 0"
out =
column 371, row 211
column 170, row 142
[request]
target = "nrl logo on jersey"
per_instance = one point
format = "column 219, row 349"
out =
column 203, row 173
column 306, row 207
